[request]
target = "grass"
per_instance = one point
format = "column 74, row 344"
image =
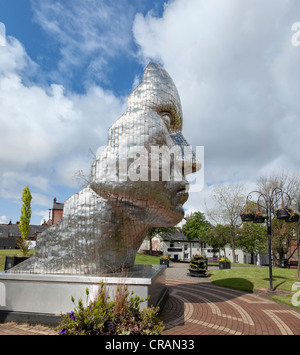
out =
column 142, row 259
column 8, row 252
column 257, row 280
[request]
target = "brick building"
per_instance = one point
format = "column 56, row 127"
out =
column 57, row 211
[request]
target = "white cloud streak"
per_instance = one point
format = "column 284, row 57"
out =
column 233, row 63
column 46, row 133
column 89, row 32
column 238, row 78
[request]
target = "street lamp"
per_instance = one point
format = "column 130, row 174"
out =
column 270, row 203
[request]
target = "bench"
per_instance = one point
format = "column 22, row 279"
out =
column 293, row 264
column 213, row 260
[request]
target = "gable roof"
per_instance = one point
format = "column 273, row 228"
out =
column 178, row 237
column 12, row 230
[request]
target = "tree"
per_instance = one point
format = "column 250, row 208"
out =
column 288, row 182
column 159, row 231
column 220, row 236
column 229, row 201
column 25, row 220
column 281, row 231
column 282, row 235
column 197, row 227
column 252, row 238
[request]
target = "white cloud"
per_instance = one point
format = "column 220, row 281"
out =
column 44, row 214
column 238, row 78
column 3, row 220
column 46, row 132
column 13, row 58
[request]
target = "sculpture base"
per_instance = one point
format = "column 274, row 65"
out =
column 46, row 296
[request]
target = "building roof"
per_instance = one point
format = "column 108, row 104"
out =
column 178, row 237
column 12, row 230
column 57, row 205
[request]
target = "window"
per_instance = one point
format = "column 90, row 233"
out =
column 171, row 244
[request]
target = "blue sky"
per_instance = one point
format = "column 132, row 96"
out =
column 68, row 67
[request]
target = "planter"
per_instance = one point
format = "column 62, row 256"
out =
column 197, row 272
column 198, row 266
column 200, row 259
column 247, row 217
column 259, row 219
column 294, row 218
column 283, row 213
column 11, row 261
column 164, row 262
column 224, row 265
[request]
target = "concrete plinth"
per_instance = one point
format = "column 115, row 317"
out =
column 50, row 295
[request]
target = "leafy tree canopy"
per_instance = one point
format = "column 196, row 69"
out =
column 197, row 227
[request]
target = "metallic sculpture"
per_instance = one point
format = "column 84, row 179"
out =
column 137, row 182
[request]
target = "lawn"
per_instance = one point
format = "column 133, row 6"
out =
column 140, row 258
column 257, row 279
column 8, row 252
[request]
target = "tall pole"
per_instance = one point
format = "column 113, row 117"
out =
column 271, row 201
column 298, row 244
column 269, row 232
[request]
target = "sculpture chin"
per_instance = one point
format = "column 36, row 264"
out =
column 161, row 205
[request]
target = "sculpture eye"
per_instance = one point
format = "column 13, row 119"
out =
column 167, row 120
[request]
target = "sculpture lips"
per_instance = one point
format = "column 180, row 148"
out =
column 182, row 194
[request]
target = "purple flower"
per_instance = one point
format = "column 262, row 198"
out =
column 72, row 316
column 62, row 331
column 110, row 325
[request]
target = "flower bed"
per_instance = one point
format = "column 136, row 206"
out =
column 164, row 260
column 121, row 316
column 224, row 263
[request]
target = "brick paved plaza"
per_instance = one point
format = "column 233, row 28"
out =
column 197, row 307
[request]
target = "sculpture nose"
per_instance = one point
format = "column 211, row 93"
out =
column 190, row 164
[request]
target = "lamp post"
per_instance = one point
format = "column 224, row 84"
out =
column 268, row 203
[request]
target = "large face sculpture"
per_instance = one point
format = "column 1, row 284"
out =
column 137, row 182
column 142, row 170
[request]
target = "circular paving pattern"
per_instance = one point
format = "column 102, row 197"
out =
column 195, row 308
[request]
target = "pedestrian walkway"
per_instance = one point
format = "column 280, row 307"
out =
column 25, row 329
column 197, row 307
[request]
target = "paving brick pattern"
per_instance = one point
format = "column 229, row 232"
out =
column 12, row 328
column 196, row 307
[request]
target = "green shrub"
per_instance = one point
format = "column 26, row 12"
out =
column 121, row 316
